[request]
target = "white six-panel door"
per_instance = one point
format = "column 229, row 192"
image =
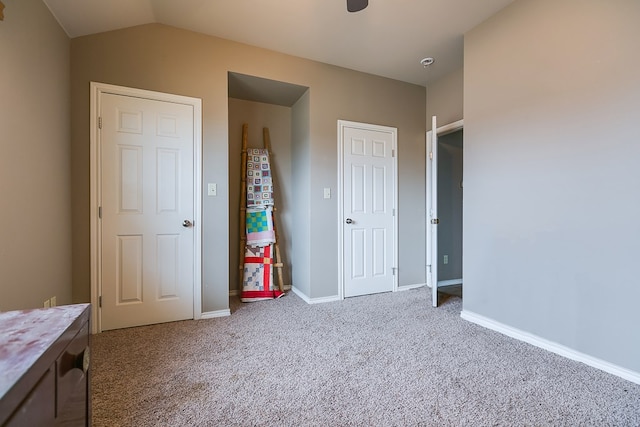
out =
column 368, row 203
column 147, row 204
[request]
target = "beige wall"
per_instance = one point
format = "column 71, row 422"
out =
column 445, row 98
column 166, row 59
column 35, row 219
column 278, row 119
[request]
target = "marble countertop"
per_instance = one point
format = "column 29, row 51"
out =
column 26, row 334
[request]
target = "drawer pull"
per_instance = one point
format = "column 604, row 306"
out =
column 79, row 361
column 82, row 360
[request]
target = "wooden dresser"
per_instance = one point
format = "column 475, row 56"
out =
column 44, row 367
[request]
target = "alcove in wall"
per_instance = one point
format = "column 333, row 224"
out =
column 284, row 109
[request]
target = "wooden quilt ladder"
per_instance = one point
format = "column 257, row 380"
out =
column 279, row 265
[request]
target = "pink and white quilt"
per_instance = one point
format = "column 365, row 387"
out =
column 258, row 275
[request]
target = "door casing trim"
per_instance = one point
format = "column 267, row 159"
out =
column 97, row 89
column 394, row 132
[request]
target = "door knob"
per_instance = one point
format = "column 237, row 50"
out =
column 186, row 223
column 349, row 221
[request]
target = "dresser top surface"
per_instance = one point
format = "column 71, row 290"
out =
column 26, row 334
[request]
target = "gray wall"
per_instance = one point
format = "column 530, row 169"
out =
column 450, row 205
column 551, row 206
column 278, row 119
column 166, row 59
column 35, row 219
column 301, row 157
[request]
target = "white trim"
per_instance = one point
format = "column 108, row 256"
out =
column 308, row 300
column 97, row 89
column 450, row 127
column 394, row 134
column 409, row 287
column 94, row 197
column 551, row 346
column 213, row 314
column 449, row 282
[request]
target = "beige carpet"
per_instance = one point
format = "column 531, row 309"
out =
column 380, row 360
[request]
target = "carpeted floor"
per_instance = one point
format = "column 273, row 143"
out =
column 380, row 360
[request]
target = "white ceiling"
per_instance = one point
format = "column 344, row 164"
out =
column 389, row 38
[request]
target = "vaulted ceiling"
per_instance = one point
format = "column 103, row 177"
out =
column 388, row 38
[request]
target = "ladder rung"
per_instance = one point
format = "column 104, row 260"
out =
column 275, row 265
column 273, row 207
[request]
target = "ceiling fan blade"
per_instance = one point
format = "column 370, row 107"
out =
column 356, row 5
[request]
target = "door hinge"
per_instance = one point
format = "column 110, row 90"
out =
column 100, row 212
column 430, row 155
column 393, row 153
column 99, row 122
column 100, row 301
column 393, row 212
column 435, row 221
column 393, row 270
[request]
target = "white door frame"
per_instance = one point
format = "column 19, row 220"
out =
column 97, row 89
column 440, row 131
column 394, row 131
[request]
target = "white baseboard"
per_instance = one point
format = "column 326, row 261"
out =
column 551, row 346
column 214, row 314
column 449, row 282
column 314, row 300
column 408, row 287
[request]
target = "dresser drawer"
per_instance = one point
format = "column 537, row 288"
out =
column 72, row 367
column 44, row 367
column 38, row 408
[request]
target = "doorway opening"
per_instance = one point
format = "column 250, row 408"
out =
column 445, row 193
column 450, row 187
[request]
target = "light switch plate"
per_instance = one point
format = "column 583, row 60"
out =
column 327, row 193
column 212, row 189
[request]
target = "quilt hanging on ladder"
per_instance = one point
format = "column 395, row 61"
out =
column 259, row 182
column 257, row 283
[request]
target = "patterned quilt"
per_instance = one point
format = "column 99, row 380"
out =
column 260, row 230
column 258, row 275
column 259, row 180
